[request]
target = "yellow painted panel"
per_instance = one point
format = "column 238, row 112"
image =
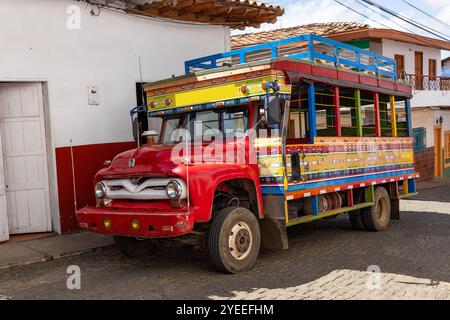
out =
column 216, row 93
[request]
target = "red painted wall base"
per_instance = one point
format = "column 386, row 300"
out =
column 88, row 159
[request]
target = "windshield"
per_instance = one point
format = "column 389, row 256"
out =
column 205, row 126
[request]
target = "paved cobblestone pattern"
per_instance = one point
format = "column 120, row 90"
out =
column 326, row 260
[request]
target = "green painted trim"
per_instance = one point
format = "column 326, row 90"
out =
column 362, row 44
column 328, row 214
column 370, row 194
column 358, row 122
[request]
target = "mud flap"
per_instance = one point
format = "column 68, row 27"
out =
column 273, row 234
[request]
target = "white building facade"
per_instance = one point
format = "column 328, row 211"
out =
column 421, row 66
column 68, row 78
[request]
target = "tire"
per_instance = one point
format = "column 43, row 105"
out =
column 234, row 240
column 132, row 247
column 355, row 216
column 356, row 220
column 377, row 217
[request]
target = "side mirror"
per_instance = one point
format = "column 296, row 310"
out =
column 273, row 111
column 295, row 166
column 136, row 128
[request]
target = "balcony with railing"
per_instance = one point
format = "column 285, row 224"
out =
column 427, row 83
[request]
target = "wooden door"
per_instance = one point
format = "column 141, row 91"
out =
column 400, row 61
column 25, row 157
column 438, row 151
column 447, row 149
column 419, row 70
column 432, row 70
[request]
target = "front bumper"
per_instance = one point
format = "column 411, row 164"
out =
column 151, row 224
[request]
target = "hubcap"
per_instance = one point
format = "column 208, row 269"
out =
column 240, row 240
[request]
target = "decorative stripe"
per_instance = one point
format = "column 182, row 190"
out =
column 315, row 192
column 279, row 189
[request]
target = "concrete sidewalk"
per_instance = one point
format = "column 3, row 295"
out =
column 422, row 185
column 50, row 248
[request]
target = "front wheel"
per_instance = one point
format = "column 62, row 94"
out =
column 133, row 247
column 234, row 240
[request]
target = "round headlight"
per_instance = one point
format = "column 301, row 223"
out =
column 173, row 189
column 100, row 190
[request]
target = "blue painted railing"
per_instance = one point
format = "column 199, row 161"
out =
column 338, row 54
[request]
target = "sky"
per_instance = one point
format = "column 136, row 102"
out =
column 298, row 12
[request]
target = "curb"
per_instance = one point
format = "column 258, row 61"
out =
column 56, row 257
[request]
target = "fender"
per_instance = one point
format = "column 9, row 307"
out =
column 204, row 179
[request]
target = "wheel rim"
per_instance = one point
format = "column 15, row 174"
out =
column 240, row 240
column 382, row 213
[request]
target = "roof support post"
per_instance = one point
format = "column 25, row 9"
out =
column 409, row 116
column 312, row 112
column 311, row 48
column 376, row 109
column 393, row 117
column 358, row 120
column 337, row 111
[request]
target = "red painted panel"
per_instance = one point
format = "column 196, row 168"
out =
column 347, row 76
column 369, row 81
column 386, row 84
column 293, row 66
column 403, row 88
column 324, row 72
column 88, row 159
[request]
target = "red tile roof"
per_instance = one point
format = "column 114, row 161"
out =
column 340, row 31
column 237, row 14
column 321, row 29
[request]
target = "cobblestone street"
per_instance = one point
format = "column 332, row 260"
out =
column 326, row 260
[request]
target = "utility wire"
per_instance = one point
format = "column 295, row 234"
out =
column 401, row 17
column 385, row 17
column 361, row 14
column 427, row 14
column 382, row 24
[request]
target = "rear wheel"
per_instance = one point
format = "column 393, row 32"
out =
column 234, row 240
column 134, row 247
column 355, row 215
column 377, row 217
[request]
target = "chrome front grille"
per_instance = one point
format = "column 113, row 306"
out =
column 140, row 189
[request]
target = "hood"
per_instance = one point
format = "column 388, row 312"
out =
column 149, row 161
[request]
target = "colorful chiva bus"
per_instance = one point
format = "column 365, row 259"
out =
column 332, row 135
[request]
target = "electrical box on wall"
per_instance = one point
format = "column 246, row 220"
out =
column 93, row 97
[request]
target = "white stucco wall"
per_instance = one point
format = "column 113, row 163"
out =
column 422, row 98
column 426, row 117
column 391, row 48
column 37, row 45
column 430, row 98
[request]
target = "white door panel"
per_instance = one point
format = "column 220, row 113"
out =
column 4, row 224
column 25, row 158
